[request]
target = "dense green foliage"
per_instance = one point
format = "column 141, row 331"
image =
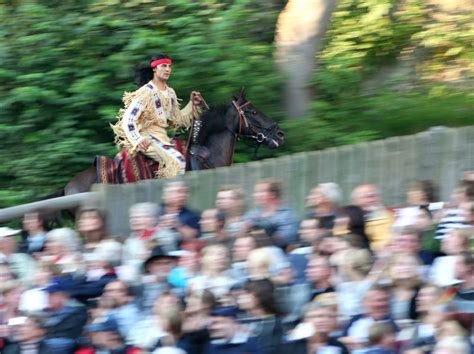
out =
column 388, row 68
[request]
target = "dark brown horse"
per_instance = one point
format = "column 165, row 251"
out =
column 212, row 139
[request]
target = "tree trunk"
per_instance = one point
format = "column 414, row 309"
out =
column 300, row 31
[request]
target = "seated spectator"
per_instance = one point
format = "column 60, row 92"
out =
column 405, row 281
column 376, row 310
column 215, row 274
column 318, row 275
column 20, row 264
column 63, row 247
column 65, row 318
column 279, row 222
column 381, row 340
column 147, row 333
column 378, row 218
column 155, row 280
column 408, row 240
column 452, row 339
column 213, row 228
column 230, row 201
column 29, row 337
column 259, row 305
column 463, row 299
column 315, row 337
column 10, row 292
column 105, row 337
column 240, row 251
column 175, row 216
column 310, row 235
column 186, row 269
column 454, row 243
column 323, row 203
column 35, row 224
column 35, row 299
column 227, row 336
column 120, row 306
column 452, row 216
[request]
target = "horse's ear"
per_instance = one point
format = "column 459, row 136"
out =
column 240, row 96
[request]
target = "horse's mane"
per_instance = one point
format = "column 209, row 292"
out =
column 213, row 121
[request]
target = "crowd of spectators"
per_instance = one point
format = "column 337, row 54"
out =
column 362, row 278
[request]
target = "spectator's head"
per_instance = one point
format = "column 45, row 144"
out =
column 367, row 197
column 428, row 296
column 215, row 259
column 35, row 222
column 104, row 334
column 58, row 295
column 10, row 292
column 325, row 196
column 267, row 192
column 258, row 298
column 452, row 338
column 8, row 242
column 456, row 241
column 223, row 324
column 143, row 216
column 310, row 231
column 463, row 192
column 318, row 270
column 44, row 272
column 322, row 316
column 422, row 193
column 63, row 241
column 424, row 220
column 175, row 195
column 230, row 200
column 464, row 266
column 202, row 303
column 356, row 264
column 404, row 270
column 407, row 240
column 167, row 301
column 377, row 302
column 467, row 212
column 32, row 330
column 118, row 292
column 383, row 335
column 91, row 223
column 159, row 264
column 242, row 247
column 212, row 221
column 259, row 263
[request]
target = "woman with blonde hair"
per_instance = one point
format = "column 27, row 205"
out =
column 404, row 276
column 215, row 274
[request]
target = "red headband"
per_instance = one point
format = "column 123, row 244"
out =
column 157, row 62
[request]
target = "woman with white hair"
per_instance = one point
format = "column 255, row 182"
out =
column 63, row 247
column 323, row 203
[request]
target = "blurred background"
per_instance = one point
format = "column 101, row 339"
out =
column 330, row 72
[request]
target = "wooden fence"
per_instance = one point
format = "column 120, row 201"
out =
column 440, row 154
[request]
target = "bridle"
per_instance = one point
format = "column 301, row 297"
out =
column 243, row 121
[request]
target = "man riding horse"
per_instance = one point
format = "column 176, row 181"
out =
column 149, row 111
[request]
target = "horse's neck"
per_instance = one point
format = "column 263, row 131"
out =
column 221, row 148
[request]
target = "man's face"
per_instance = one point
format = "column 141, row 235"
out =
column 89, row 221
column 261, row 194
column 56, row 300
column 226, row 200
column 208, row 221
column 315, row 198
column 309, row 230
column 318, row 269
column 462, row 270
column 116, row 291
column 407, row 243
column 31, row 222
column 176, row 196
column 29, row 331
column 161, row 267
column 242, row 247
column 140, row 222
column 163, row 72
column 377, row 304
column 368, row 198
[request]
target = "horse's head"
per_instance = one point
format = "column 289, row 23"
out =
column 254, row 124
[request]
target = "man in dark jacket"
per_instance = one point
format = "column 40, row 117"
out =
column 227, row 335
column 65, row 318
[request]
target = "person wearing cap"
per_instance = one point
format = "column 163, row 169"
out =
column 156, row 268
column 65, row 317
column 227, row 336
column 21, row 264
column 105, row 338
column 149, row 111
column 29, row 337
